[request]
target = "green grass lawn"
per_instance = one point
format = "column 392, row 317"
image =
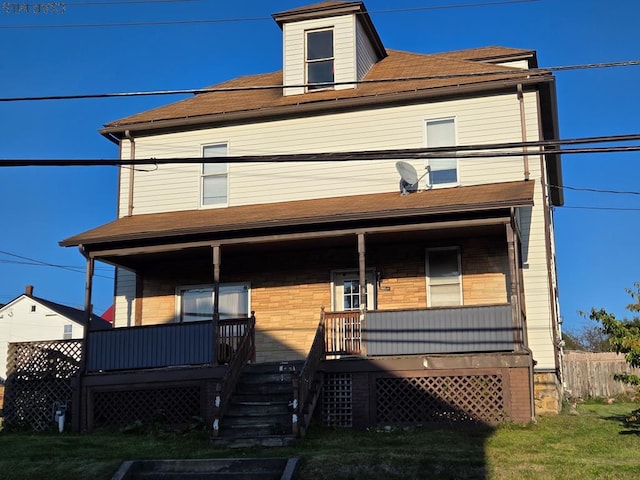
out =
column 591, row 445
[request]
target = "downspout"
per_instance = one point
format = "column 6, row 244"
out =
column 523, row 129
column 132, row 156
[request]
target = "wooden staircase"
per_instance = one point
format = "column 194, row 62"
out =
column 260, row 411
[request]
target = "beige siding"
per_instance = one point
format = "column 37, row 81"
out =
column 124, row 310
column 365, row 54
column 294, row 50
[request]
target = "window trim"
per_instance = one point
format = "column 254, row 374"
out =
column 309, row 87
column 372, row 290
column 427, row 165
column 203, row 176
column 459, row 277
column 181, row 288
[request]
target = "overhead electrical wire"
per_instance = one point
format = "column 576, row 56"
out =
column 241, row 19
column 533, row 71
column 513, row 149
column 48, row 264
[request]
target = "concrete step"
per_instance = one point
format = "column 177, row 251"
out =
column 229, row 468
column 260, row 441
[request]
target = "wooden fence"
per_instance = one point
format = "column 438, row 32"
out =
column 590, row 375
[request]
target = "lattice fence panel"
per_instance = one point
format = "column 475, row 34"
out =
column 337, row 400
column 168, row 407
column 39, row 380
column 448, row 399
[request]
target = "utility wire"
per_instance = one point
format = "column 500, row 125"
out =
column 246, row 19
column 596, row 190
column 514, row 149
column 503, row 73
column 47, row 264
column 620, row 209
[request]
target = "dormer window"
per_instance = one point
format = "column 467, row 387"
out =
column 319, row 59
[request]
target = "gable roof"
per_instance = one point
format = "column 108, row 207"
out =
column 73, row 314
column 399, row 77
column 295, row 215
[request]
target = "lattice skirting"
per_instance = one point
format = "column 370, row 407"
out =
column 173, row 407
column 337, row 400
column 39, row 381
column 450, row 399
column 412, row 400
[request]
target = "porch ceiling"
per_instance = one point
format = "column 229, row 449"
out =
column 329, row 220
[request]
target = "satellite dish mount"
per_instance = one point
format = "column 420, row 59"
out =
column 408, row 177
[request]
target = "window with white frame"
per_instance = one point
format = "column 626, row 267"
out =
column 195, row 302
column 442, row 133
column 67, row 332
column 319, row 59
column 214, row 176
column 444, row 277
column 346, row 290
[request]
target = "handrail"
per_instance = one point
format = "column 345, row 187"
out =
column 343, row 333
column 238, row 358
column 303, row 404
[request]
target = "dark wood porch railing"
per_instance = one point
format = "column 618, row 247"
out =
column 343, row 333
column 307, row 385
column 239, row 357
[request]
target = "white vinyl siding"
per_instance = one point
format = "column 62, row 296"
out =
column 365, row 54
column 176, row 187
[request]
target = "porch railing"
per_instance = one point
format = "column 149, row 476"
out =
column 157, row 346
column 307, row 385
column 462, row 329
column 245, row 353
column 343, row 333
column 151, row 346
column 467, row 329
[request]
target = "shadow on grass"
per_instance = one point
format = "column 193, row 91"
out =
column 630, row 422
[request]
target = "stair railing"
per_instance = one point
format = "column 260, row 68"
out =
column 245, row 352
column 308, row 384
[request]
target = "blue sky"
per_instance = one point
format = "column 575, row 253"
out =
column 597, row 249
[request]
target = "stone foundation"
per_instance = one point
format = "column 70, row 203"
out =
column 547, row 393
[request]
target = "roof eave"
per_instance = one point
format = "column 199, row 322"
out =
column 116, row 132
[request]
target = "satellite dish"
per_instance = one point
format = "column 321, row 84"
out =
column 407, row 172
column 408, row 177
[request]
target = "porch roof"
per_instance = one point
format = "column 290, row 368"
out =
column 274, row 218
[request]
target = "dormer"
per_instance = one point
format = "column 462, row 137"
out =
column 328, row 45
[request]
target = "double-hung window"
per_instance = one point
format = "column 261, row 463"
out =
column 195, row 303
column 444, row 277
column 215, row 176
column 319, row 59
column 442, row 133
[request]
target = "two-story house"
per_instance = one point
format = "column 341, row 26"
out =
column 434, row 301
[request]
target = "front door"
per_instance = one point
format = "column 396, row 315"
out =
column 346, row 290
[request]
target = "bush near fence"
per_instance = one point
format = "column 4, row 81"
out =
column 590, row 375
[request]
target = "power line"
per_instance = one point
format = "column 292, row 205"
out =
column 513, row 149
column 194, row 91
column 596, row 190
column 243, row 19
column 621, row 209
column 47, row 264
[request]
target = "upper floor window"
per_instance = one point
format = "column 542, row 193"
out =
column 319, row 59
column 442, row 133
column 444, row 277
column 215, row 176
column 68, row 332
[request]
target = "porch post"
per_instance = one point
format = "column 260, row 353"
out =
column 79, row 395
column 362, row 271
column 514, row 297
column 216, row 302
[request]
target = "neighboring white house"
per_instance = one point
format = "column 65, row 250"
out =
column 28, row 318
